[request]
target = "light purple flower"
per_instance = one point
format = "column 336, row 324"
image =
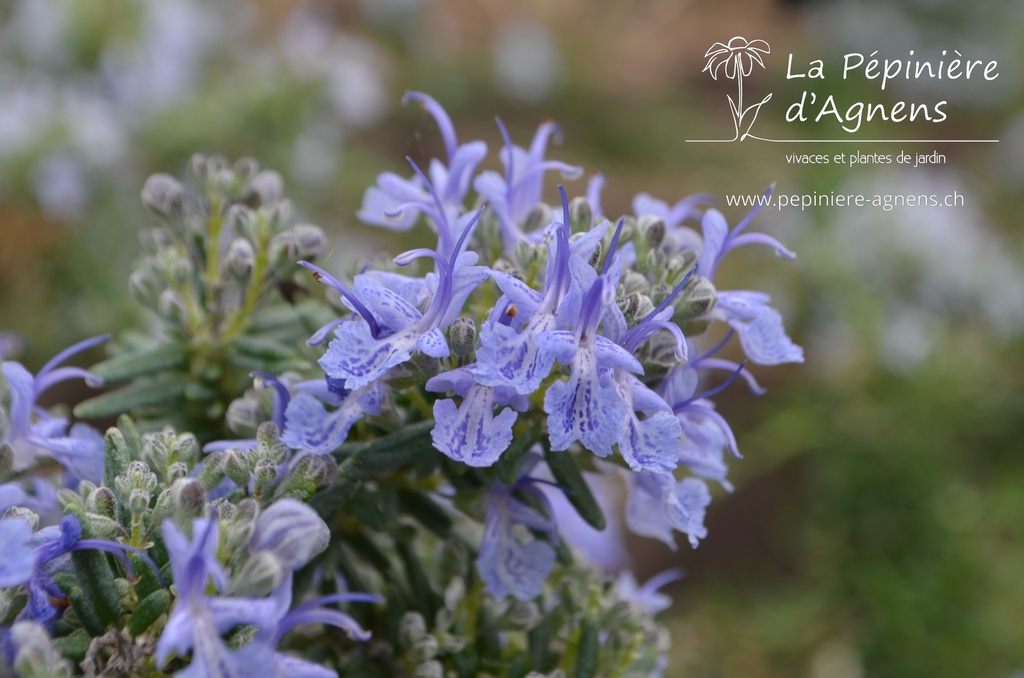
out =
column 658, row 505
column 588, row 407
column 396, row 202
column 507, row 565
column 32, row 559
column 33, row 432
column 518, row 191
column 262, row 652
column 470, row 432
column 759, row 326
column 18, row 561
column 198, row 620
column 648, row 595
column 389, row 329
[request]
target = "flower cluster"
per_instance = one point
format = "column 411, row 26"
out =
column 550, row 317
column 426, row 457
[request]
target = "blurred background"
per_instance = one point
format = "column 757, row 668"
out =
column 877, row 526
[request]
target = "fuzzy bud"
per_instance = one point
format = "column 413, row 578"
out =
column 240, row 257
column 292, row 531
column 212, row 471
column 310, row 240
column 188, row 499
column 697, row 300
column 138, row 502
column 102, row 501
column 412, row 628
column 34, row 653
column 581, row 214
column 537, row 218
column 462, row 336
column 259, row 576
column 236, row 467
column 652, row 229
column 266, row 188
column 244, row 415
column 22, row 513
column 163, row 194
column 284, row 248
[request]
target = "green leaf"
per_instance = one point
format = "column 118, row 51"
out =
column 389, row 453
column 74, row 646
column 163, row 358
column 587, row 649
column 116, row 456
column 508, row 463
column 568, row 475
column 429, row 513
column 262, row 348
column 161, row 391
column 148, row 611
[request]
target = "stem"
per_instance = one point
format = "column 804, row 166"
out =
column 254, row 290
column 215, row 223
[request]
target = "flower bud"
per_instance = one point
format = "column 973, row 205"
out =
column 264, row 474
column 292, row 531
column 581, row 214
column 529, row 254
column 144, row 288
column 244, row 415
column 240, row 257
column 310, row 240
column 34, row 653
column 212, row 470
column 138, row 502
column 236, row 466
column 265, row 188
column 259, row 576
column 163, row 194
column 245, row 168
column 22, row 513
column 537, row 218
column 284, row 248
column 412, row 628
column 188, row 499
column 242, row 220
column 178, row 469
column 103, row 502
column 171, row 306
column 462, row 336
column 652, row 229
column 699, row 297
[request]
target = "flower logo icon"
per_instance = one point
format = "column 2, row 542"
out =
column 736, row 60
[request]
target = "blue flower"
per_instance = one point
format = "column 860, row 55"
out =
column 518, row 191
column 648, row 596
column 198, row 620
column 469, row 432
column 260, row 654
column 658, row 504
column 33, row 432
column 395, row 202
column 759, row 326
column 509, row 354
column 31, row 560
column 309, row 426
column 588, row 407
column 18, row 562
column 389, row 329
column 510, row 563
